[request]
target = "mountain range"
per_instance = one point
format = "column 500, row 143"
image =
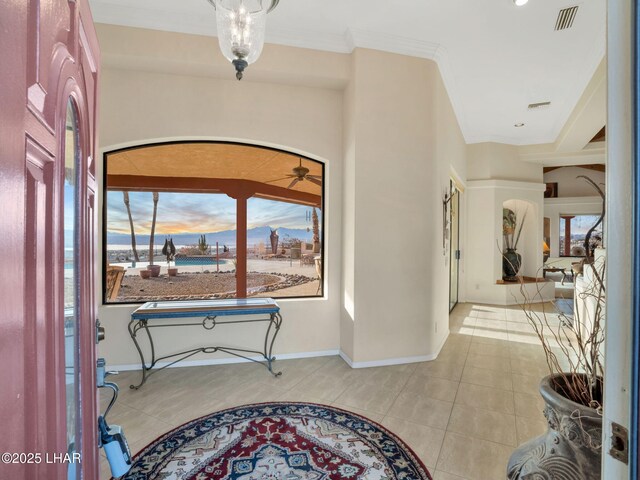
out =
column 226, row 237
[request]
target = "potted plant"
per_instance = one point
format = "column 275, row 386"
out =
column 145, row 273
column 511, row 260
column 169, row 251
column 573, row 391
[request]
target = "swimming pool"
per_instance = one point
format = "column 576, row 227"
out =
column 196, row 260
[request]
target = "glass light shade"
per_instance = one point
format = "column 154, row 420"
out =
column 241, row 28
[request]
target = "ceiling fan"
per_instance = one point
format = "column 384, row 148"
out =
column 300, row 173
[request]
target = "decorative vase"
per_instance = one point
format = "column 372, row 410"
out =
column 173, row 271
column 511, row 261
column 145, row 273
column 572, row 447
column 154, row 269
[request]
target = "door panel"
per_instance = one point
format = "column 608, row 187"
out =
column 39, row 239
column 50, row 55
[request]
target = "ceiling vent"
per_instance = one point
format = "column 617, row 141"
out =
column 566, row 16
column 539, row 105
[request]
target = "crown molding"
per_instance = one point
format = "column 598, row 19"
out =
column 357, row 38
column 563, row 159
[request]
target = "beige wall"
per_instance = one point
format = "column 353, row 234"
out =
column 144, row 98
column 497, row 161
column 406, row 139
column 496, row 175
column 348, row 307
column 384, row 126
column 486, row 199
column 571, row 186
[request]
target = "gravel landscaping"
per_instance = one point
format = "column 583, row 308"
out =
column 194, row 286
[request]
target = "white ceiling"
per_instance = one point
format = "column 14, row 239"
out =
column 495, row 58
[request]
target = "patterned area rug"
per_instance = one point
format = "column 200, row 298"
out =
column 279, row 441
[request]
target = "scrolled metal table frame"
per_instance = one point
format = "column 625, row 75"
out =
column 210, row 321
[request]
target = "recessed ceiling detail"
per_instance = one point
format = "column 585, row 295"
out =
column 596, row 167
column 565, row 19
column 601, row 136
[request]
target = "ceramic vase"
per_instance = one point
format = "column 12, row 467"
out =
column 511, row 261
column 572, row 447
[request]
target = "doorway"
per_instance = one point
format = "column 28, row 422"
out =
column 454, row 245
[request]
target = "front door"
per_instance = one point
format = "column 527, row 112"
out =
column 49, row 74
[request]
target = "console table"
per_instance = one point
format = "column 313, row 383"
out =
column 153, row 315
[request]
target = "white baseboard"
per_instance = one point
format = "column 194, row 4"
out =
column 394, row 361
column 290, row 356
column 225, row 361
column 388, row 361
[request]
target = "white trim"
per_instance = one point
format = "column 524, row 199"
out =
column 226, row 361
column 572, row 201
column 209, row 138
column 478, row 184
column 385, row 42
column 552, row 158
column 391, row 361
column 461, row 184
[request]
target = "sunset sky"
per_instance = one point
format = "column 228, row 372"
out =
column 198, row 213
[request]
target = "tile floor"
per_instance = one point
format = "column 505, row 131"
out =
column 462, row 413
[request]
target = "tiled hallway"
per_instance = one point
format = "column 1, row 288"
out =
column 463, row 413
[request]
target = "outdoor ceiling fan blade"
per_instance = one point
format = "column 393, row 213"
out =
column 313, row 180
column 317, row 177
column 296, row 180
column 280, row 179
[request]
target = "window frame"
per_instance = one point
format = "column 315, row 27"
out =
column 103, row 233
column 560, row 228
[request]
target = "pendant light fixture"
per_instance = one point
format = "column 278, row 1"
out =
column 241, row 27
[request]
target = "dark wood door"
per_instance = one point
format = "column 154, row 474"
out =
column 49, row 77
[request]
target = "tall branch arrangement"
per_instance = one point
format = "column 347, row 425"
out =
column 574, row 346
column 511, row 228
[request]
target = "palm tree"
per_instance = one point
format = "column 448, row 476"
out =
column 153, row 226
column 125, row 194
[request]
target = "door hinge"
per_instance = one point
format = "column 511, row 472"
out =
column 457, row 254
column 619, row 443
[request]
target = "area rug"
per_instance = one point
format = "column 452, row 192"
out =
column 278, row 441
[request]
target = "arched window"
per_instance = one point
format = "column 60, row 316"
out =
column 205, row 220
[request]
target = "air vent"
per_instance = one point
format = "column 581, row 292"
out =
column 539, row 105
column 566, row 16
